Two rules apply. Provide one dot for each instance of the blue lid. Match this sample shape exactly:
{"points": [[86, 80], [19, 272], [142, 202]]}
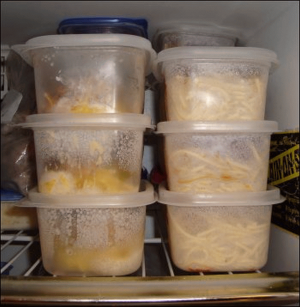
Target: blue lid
{"points": [[9, 195], [119, 25]]}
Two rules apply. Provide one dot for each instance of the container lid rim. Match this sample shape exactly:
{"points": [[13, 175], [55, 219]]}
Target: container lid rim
{"points": [[86, 40], [262, 198], [263, 126], [110, 120], [144, 197]]}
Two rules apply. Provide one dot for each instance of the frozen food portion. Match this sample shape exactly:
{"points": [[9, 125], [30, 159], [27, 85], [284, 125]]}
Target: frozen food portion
{"points": [[212, 239], [216, 163], [92, 241], [175, 39], [88, 161], [181, 34], [90, 181], [18, 218], [215, 83], [215, 97], [106, 90], [89, 73]]}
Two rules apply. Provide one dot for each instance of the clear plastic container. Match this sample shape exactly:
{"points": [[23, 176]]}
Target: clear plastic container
{"points": [[118, 25], [219, 232], [88, 153], [217, 157], [92, 235], [89, 73], [215, 83], [178, 35]]}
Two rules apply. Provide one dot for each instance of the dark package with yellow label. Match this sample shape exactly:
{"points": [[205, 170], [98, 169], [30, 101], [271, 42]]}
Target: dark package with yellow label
{"points": [[284, 174]]}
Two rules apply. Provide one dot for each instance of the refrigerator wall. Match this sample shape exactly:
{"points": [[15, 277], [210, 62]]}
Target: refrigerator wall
{"points": [[267, 24]]}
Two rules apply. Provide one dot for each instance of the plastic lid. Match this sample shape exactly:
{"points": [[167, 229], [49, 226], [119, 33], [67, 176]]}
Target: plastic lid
{"points": [[106, 120], [134, 26], [85, 40], [259, 55], [269, 197], [263, 126], [146, 196]]}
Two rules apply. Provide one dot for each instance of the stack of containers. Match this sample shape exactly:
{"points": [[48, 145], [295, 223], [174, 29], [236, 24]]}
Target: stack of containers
{"points": [[88, 134], [216, 149]]}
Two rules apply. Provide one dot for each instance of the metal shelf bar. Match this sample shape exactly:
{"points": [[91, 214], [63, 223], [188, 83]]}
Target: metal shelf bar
{"points": [[164, 248], [12, 260], [9, 240], [27, 273]]}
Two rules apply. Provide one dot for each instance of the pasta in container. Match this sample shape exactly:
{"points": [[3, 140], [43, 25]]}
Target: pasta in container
{"points": [[216, 157], [219, 232], [215, 83]]}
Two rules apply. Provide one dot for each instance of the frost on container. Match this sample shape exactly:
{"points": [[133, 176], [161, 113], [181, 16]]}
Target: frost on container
{"points": [[217, 163], [88, 154], [91, 242], [216, 157], [219, 232], [92, 235], [88, 161]]}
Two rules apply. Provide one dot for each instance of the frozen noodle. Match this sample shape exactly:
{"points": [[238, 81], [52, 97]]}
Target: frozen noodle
{"points": [[217, 97], [219, 238], [206, 170]]}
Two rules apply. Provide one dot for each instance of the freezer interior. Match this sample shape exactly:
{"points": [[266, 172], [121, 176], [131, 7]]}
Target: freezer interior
{"points": [[272, 25]]}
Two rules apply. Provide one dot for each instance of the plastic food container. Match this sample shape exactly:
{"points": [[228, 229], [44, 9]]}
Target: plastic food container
{"points": [[215, 83], [178, 35], [111, 25], [219, 232], [217, 157], [88, 153], [17, 218], [92, 235], [89, 73]]}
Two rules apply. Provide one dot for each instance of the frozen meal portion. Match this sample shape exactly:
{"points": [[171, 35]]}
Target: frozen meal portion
{"points": [[176, 35], [216, 163], [88, 161], [88, 154], [215, 83], [216, 96], [92, 241], [13, 217], [212, 239], [89, 73], [109, 81]]}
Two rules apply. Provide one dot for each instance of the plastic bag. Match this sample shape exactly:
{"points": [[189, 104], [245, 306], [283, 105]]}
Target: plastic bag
{"points": [[18, 164]]}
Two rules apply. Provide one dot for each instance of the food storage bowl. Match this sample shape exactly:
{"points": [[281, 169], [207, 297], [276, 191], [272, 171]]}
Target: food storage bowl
{"points": [[92, 235], [16, 218], [88, 153], [216, 157], [13, 217], [177, 35], [118, 25], [215, 83], [219, 232], [89, 73]]}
